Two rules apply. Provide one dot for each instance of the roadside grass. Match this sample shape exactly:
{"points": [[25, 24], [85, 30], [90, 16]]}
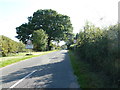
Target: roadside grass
{"points": [[85, 77], [4, 61]]}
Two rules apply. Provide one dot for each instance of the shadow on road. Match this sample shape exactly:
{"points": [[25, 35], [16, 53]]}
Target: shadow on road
{"points": [[53, 75]]}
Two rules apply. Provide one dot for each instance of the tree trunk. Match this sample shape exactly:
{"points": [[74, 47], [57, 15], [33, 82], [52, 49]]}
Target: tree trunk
{"points": [[49, 47]]}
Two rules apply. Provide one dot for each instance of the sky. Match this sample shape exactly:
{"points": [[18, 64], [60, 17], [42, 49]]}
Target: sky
{"points": [[101, 13]]}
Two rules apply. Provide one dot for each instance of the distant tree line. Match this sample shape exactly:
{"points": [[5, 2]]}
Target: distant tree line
{"points": [[100, 48], [8, 45]]}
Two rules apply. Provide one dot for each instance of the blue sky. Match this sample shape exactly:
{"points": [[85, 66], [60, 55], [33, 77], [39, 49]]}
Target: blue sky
{"points": [[15, 12]]}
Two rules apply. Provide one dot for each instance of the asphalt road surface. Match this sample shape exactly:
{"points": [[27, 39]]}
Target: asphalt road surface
{"points": [[52, 70]]}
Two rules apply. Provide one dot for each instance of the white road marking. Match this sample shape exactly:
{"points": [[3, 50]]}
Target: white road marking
{"points": [[22, 79]]}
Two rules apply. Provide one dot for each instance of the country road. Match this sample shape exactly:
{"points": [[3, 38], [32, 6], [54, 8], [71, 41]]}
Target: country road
{"points": [[52, 70]]}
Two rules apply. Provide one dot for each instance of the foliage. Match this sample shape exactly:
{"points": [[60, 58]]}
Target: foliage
{"points": [[40, 40], [56, 26], [64, 47], [85, 76], [69, 40], [99, 47], [54, 46], [9, 46]]}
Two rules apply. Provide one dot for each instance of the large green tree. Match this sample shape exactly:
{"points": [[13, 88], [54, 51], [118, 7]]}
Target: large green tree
{"points": [[56, 25]]}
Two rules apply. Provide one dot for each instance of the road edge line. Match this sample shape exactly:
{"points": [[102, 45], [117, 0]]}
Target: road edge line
{"points": [[22, 79]]}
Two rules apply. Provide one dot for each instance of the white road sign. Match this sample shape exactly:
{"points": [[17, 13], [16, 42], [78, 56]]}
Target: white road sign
{"points": [[29, 46], [29, 42]]}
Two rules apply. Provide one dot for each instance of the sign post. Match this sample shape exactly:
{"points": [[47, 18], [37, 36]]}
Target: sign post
{"points": [[75, 44], [29, 45]]}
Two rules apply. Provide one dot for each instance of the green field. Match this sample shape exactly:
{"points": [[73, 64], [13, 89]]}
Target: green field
{"points": [[4, 61]]}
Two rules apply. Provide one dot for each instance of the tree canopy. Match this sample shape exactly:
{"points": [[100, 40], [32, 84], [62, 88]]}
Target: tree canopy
{"points": [[56, 25]]}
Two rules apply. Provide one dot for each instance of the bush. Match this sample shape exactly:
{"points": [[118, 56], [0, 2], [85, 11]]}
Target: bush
{"points": [[40, 40], [7, 46], [100, 48]]}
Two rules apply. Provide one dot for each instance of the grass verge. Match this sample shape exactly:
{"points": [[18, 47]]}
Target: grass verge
{"points": [[85, 77], [4, 63]]}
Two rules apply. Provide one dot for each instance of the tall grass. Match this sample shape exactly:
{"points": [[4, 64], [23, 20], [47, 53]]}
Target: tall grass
{"points": [[86, 77], [21, 57]]}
